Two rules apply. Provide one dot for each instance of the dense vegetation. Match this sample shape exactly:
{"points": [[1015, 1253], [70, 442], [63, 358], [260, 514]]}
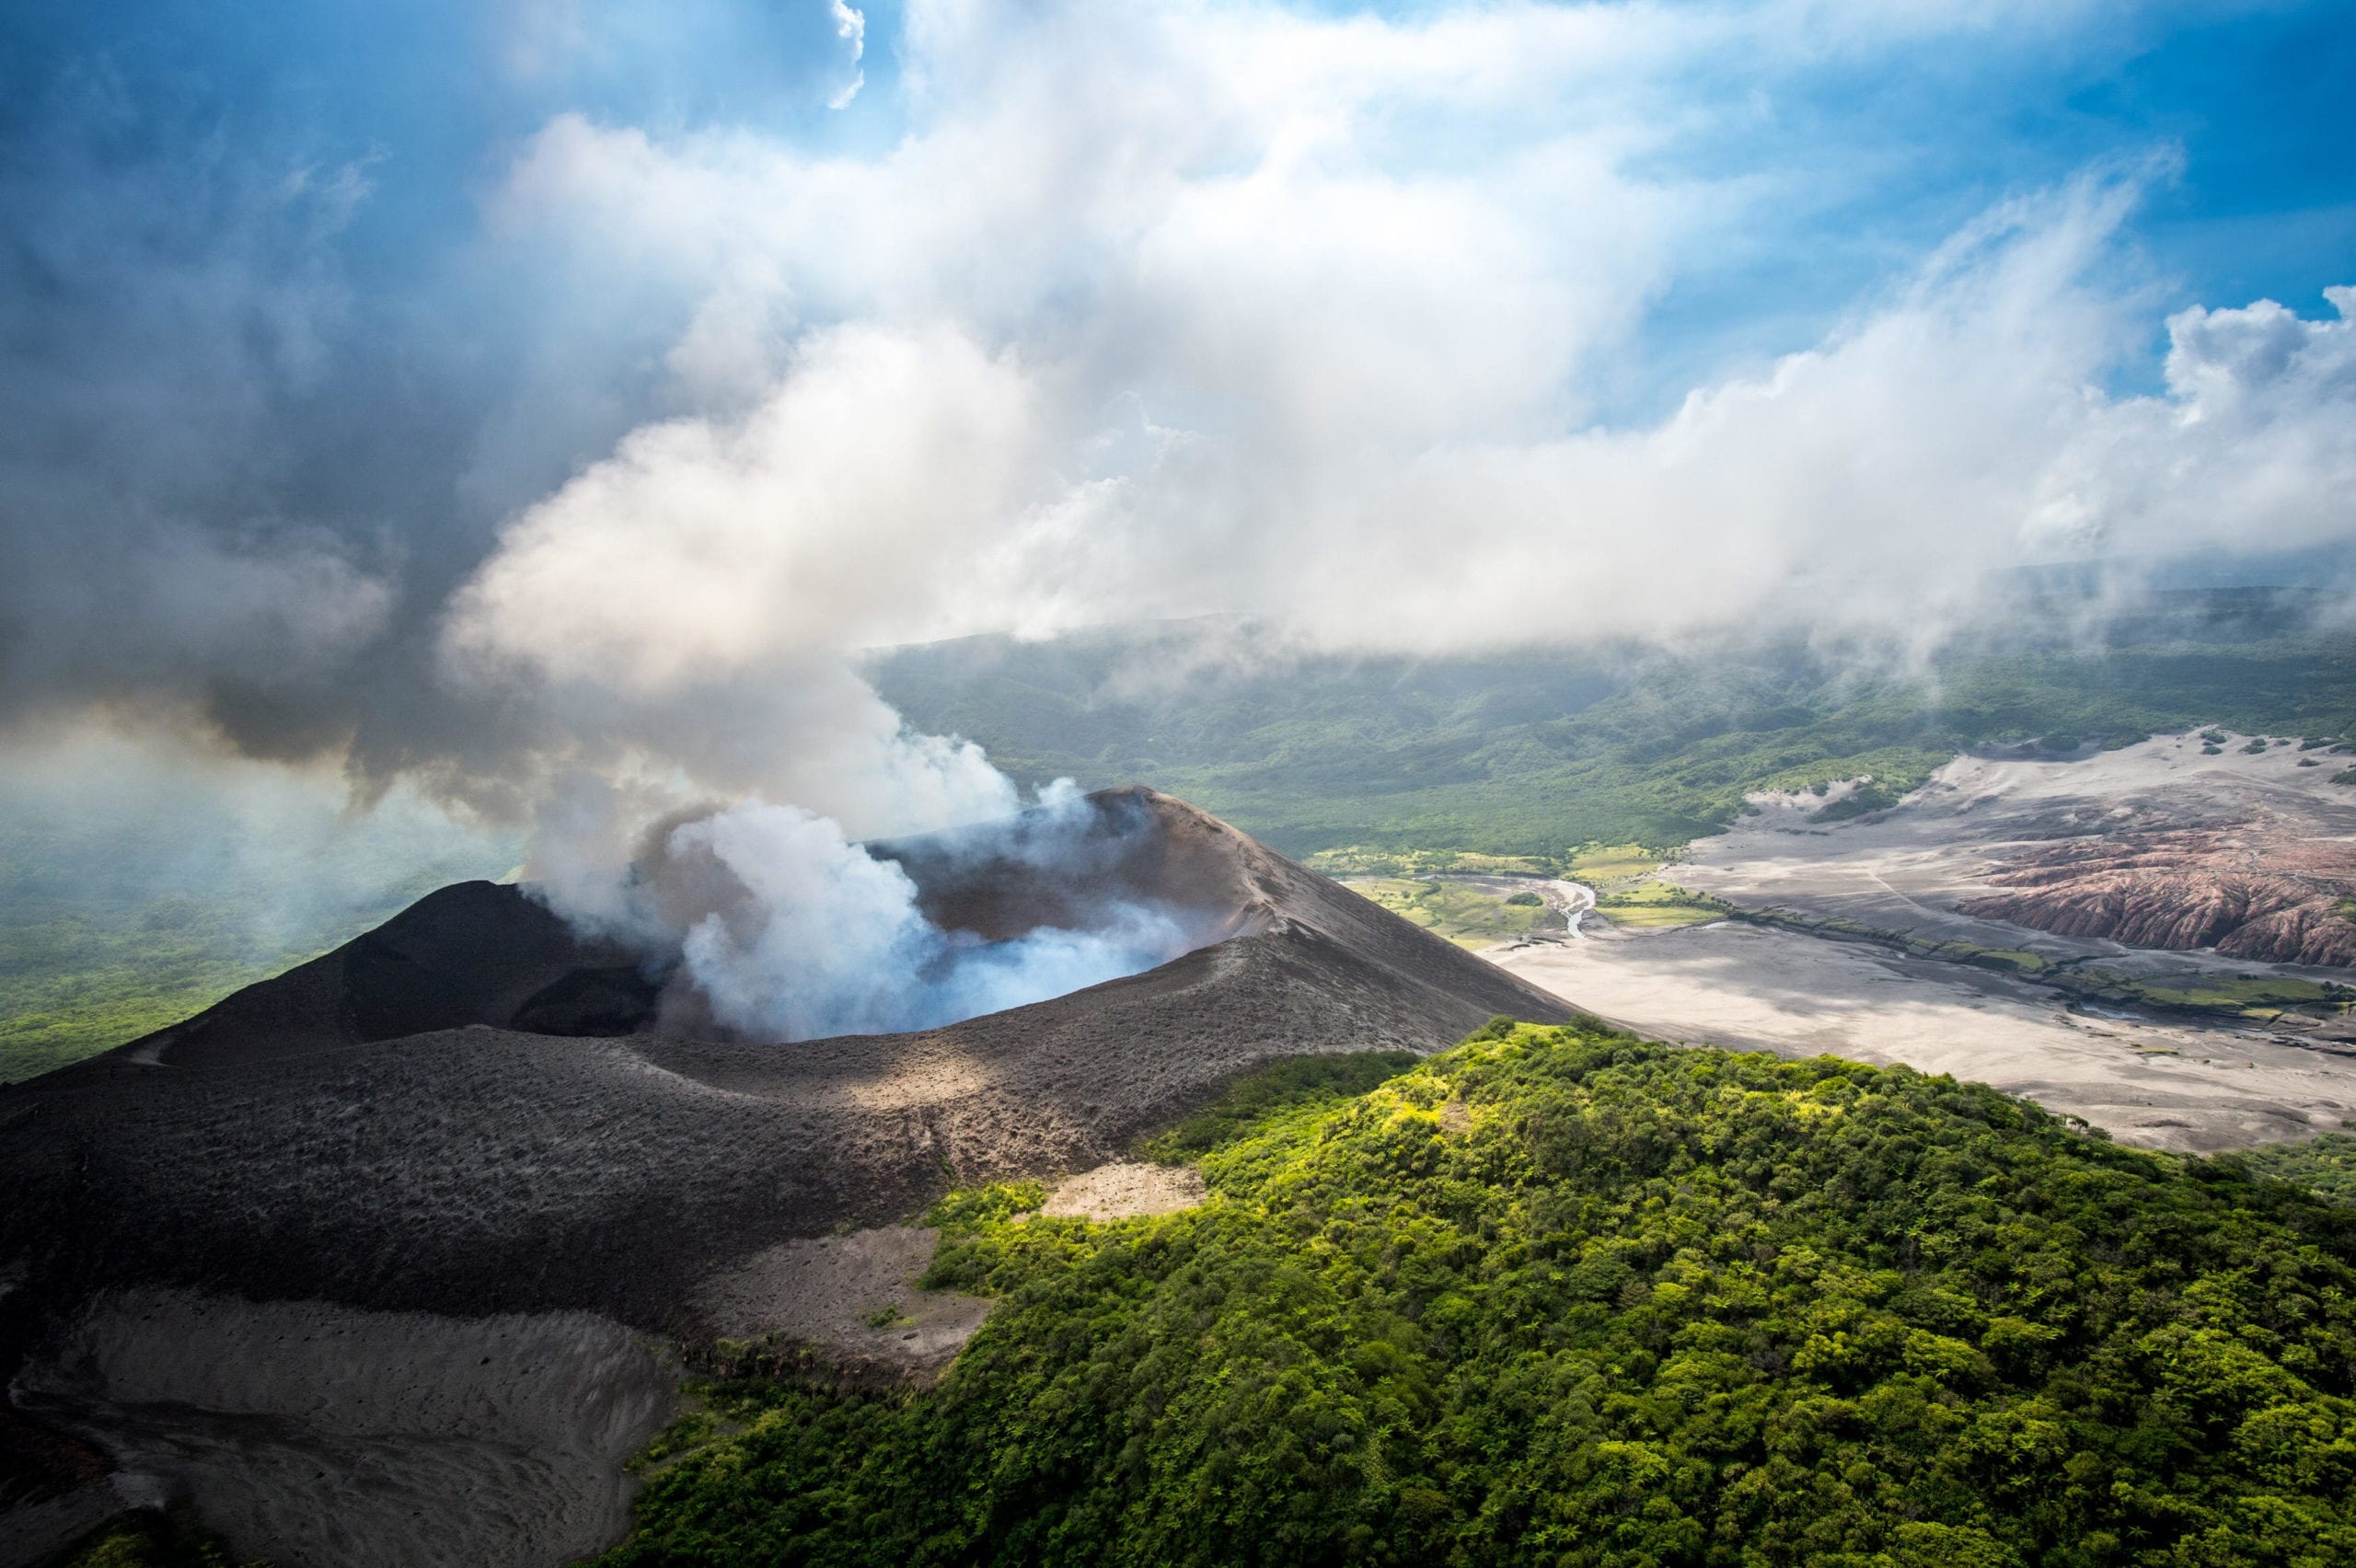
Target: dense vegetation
{"points": [[80, 983], [2325, 1166], [1561, 1297], [1532, 754]]}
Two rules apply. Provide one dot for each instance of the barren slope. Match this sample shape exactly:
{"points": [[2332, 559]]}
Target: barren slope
{"points": [[2249, 890]]}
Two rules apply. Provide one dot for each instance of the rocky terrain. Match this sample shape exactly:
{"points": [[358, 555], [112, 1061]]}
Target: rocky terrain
{"points": [[466, 1116], [2252, 890]]}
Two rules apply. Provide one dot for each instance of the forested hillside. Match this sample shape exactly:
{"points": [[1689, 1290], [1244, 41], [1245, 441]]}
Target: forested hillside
{"points": [[1534, 753], [1561, 1297]]}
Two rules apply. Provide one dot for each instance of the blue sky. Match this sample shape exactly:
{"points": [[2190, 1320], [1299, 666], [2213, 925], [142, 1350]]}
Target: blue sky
{"points": [[469, 392], [427, 99]]}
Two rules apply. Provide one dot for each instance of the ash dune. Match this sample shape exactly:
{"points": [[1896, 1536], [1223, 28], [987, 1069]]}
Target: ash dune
{"points": [[467, 1114], [2041, 856], [2252, 890], [365, 1439]]}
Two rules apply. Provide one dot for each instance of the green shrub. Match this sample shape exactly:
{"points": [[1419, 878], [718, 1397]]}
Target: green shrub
{"points": [[2326, 1165], [1255, 1097], [149, 1541]]}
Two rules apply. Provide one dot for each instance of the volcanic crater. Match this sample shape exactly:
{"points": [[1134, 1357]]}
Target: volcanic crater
{"points": [[471, 1127]]}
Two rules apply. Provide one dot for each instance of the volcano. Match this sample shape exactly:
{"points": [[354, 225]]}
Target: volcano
{"points": [[441, 1185]]}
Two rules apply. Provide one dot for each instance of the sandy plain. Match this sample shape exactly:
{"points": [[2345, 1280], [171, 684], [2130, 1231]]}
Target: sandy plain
{"points": [[2161, 1084]]}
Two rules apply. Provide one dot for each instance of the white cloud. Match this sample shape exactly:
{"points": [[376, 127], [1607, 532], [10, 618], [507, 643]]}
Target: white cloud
{"points": [[705, 548], [850, 26], [1368, 353]]}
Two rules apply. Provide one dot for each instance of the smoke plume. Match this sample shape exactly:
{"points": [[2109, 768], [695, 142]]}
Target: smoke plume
{"points": [[770, 923]]}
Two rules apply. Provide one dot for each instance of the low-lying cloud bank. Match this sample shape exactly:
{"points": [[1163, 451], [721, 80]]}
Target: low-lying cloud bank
{"points": [[1956, 432]]}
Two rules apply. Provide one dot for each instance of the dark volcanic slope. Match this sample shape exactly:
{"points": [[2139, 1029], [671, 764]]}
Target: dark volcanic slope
{"points": [[376, 1129], [472, 953]]}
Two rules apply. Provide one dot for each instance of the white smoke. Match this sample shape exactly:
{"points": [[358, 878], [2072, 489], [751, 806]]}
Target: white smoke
{"points": [[780, 928]]}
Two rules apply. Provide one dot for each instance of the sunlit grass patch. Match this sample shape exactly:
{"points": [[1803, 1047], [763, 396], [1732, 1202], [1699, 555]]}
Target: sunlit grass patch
{"points": [[2259, 993], [1467, 916], [1603, 866], [1358, 860], [1651, 904]]}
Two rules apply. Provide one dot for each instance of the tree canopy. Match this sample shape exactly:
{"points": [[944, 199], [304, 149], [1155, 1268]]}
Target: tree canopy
{"points": [[1564, 1297]]}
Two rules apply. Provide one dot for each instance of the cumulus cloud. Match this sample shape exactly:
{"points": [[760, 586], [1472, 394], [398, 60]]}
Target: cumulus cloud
{"points": [[1310, 381], [704, 547], [2253, 442]]}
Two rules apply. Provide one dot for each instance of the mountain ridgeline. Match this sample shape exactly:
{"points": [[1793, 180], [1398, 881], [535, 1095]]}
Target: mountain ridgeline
{"points": [[1559, 1296], [1535, 752]]}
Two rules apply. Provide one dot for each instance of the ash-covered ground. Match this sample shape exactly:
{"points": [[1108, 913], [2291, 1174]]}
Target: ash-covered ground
{"points": [[1969, 857], [2088, 933], [469, 1117]]}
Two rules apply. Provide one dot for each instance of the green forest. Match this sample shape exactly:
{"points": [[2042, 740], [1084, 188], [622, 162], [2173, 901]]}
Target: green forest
{"points": [[1559, 1296]]}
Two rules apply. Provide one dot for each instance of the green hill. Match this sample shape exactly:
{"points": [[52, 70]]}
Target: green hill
{"points": [[1561, 1297]]}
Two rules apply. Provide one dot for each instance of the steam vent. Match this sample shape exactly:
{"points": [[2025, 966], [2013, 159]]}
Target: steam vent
{"points": [[443, 1185]]}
